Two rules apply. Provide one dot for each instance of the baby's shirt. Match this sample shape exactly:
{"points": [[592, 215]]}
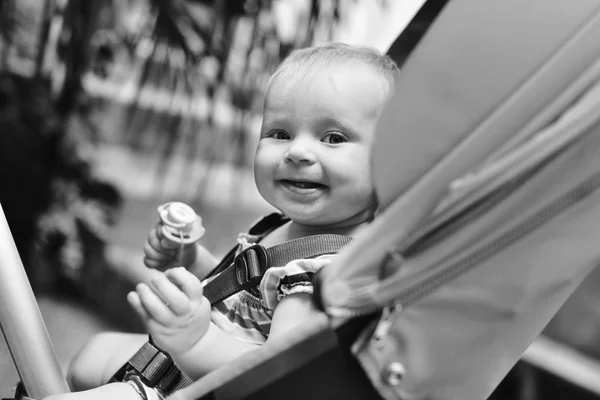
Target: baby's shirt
{"points": [[247, 315]]}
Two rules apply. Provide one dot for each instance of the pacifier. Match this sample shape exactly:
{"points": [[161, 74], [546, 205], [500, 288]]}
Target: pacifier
{"points": [[181, 224]]}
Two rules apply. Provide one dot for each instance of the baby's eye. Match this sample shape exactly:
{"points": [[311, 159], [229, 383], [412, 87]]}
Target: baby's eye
{"points": [[279, 135], [334, 138]]}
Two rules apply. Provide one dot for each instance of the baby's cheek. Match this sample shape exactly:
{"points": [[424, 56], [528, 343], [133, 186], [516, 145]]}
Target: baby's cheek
{"points": [[363, 192], [261, 176]]}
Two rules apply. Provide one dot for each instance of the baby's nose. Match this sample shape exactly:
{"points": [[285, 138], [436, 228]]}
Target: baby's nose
{"points": [[300, 151]]}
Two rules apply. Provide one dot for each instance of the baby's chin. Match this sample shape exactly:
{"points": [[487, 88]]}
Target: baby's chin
{"points": [[306, 219], [329, 222], [309, 219], [324, 214]]}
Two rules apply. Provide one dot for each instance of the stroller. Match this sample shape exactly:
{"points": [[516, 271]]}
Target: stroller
{"points": [[487, 176]]}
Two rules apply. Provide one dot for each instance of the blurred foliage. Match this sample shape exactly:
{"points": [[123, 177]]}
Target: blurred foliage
{"points": [[191, 76], [29, 137], [48, 189]]}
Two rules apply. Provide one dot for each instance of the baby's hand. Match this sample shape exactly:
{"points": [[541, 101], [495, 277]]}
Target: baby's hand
{"points": [[173, 241], [162, 253], [174, 310]]}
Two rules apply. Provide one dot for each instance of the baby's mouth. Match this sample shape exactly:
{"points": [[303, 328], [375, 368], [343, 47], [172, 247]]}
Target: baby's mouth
{"points": [[302, 184]]}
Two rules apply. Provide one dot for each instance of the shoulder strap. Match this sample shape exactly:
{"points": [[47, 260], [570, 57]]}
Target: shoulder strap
{"points": [[248, 267], [268, 223], [262, 227]]}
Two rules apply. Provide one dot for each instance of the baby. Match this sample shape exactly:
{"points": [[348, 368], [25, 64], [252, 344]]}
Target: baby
{"points": [[312, 164]]}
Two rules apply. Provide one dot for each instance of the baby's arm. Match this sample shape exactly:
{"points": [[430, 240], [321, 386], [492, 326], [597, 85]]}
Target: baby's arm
{"points": [[205, 262], [292, 311], [217, 348]]}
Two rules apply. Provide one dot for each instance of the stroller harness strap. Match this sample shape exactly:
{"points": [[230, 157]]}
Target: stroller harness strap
{"points": [[247, 268], [155, 369]]}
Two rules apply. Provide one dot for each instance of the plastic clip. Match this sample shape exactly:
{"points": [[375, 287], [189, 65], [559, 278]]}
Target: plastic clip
{"points": [[250, 263]]}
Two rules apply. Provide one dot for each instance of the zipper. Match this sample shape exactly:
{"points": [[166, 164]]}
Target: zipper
{"points": [[513, 170], [435, 233], [388, 316]]}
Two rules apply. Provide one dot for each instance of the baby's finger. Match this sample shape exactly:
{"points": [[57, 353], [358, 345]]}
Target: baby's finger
{"points": [[159, 263], [163, 241], [160, 244], [154, 306], [186, 281], [134, 300], [158, 255], [175, 299], [154, 264]]}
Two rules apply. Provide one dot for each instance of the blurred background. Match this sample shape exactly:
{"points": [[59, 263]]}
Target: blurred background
{"points": [[109, 108]]}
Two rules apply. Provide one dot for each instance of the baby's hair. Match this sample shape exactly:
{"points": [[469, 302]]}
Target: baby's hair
{"points": [[329, 53]]}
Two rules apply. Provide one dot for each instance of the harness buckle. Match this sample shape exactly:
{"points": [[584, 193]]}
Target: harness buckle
{"points": [[250, 263], [151, 364]]}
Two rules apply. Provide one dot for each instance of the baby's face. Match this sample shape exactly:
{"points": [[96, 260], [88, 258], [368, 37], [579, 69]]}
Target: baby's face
{"points": [[312, 161]]}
